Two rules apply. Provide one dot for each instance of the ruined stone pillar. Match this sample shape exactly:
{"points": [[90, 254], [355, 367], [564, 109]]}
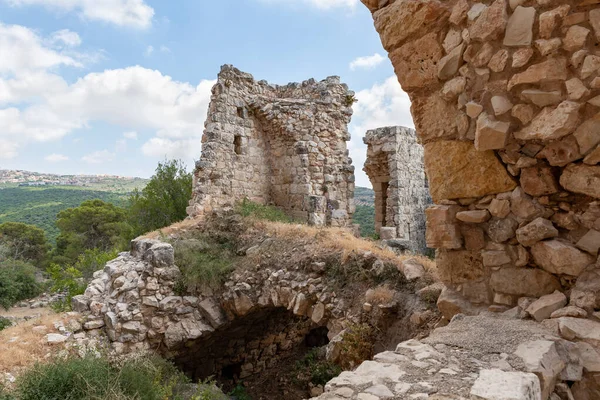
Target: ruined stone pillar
{"points": [[279, 145], [395, 167], [505, 99]]}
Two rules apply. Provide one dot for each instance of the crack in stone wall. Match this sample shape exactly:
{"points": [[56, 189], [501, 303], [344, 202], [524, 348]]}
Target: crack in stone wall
{"points": [[280, 145], [395, 167], [506, 99]]}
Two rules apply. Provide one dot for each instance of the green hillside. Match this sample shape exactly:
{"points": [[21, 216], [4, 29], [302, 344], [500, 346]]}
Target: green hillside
{"points": [[39, 206]]}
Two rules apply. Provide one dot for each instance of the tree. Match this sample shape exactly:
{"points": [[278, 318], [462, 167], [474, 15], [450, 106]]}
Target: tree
{"points": [[17, 282], [164, 200], [24, 242], [93, 225]]}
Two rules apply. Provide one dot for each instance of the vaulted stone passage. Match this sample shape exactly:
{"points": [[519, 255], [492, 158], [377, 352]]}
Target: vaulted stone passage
{"points": [[249, 345]]}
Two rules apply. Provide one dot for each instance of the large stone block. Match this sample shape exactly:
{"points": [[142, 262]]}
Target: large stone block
{"points": [[529, 282], [457, 170], [584, 179], [559, 257], [459, 266]]}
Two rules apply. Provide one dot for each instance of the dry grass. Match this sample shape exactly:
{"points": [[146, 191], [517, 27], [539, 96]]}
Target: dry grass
{"points": [[178, 227], [380, 295], [20, 347]]}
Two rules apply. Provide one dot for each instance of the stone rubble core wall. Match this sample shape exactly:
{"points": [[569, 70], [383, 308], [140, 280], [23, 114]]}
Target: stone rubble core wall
{"points": [[281, 145], [395, 168], [256, 319], [505, 99]]}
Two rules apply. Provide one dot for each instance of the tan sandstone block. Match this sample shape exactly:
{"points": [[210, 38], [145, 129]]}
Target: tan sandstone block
{"points": [[523, 282], [442, 227], [426, 114], [416, 62], [457, 170], [459, 266], [559, 257]]}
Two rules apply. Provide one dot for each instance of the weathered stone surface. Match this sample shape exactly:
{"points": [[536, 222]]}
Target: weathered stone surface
{"points": [[491, 23], [501, 105], [538, 229], [519, 30], [581, 329], [400, 21], [523, 112], [541, 357], [451, 303], [543, 307], [562, 152], [542, 98], [559, 257], [593, 158], [429, 126], [499, 208], [569, 311], [575, 38], [501, 230], [523, 282], [538, 181], [521, 57], [459, 266], [499, 61], [442, 229], [554, 69], [590, 242], [55, 338], [552, 124], [412, 269], [588, 134], [576, 89], [582, 179], [495, 384], [416, 63], [463, 171], [495, 258], [449, 64], [474, 216], [590, 66], [523, 206]]}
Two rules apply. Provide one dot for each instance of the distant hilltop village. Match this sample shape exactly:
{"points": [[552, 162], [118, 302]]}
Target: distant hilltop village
{"points": [[27, 178]]}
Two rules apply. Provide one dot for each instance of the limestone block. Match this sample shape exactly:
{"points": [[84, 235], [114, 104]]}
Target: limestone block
{"points": [[575, 38], [543, 307], [562, 152], [542, 98], [552, 123], [459, 266], [451, 303], [442, 229], [588, 134], [580, 329], [491, 23], [541, 357], [499, 208], [473, 216], [458, 170], [521, 57], [523, 282], [552, 70], [590, 242], [538, 181], [429, 126], [387, 232], [538, 229], [569, 311], [416, 62], [582, 179], [559, 257], [491, 134], [495, 384]]}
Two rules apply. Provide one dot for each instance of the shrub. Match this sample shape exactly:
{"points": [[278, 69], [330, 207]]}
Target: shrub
{"points": [[315, 369], [356, 346], [380, 295], [203, 264], [208, 390], [17, 282], [239, 393], [5, 323], [145, 378], [68, 280], [93, 260], [248, 208]]}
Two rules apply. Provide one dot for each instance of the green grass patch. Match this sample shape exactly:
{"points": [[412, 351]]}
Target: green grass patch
{"points": [[205, 263], [247, 208], [315, 369], [146, 378], [4, 323]]}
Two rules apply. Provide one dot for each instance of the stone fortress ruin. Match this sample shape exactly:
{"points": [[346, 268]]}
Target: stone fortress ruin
{"points": [[280, 145], [395, 167], [506, 100]]}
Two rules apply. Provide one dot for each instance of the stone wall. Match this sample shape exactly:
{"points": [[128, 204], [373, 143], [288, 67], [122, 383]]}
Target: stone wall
{"points": [[395, 167], [505, 99], [280, 145]]}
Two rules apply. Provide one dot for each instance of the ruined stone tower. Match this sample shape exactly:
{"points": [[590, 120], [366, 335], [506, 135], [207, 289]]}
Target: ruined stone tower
{"points": [[395, 167], [506, 100], [280, 145]]}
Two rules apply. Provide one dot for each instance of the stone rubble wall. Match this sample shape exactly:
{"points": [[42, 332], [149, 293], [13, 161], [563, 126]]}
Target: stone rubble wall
{"points": [[257, 317], [395, 165], [506, 101], [281, 145]]}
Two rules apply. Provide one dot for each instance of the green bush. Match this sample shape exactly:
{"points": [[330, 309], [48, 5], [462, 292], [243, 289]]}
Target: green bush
{"points": [[365, 217], [204, 264], [149, 378], [315, 369], [93, 260], [68, 280], [357, 346], [248, 208], [17, 282], [239, 393], [4, 323]]}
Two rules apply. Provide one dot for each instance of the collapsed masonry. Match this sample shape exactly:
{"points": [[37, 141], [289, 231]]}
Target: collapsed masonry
{"points": [[280, 145], [395, 167], [505, 99]]}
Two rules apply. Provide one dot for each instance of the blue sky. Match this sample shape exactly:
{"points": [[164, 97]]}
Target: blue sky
{"points": [[114, 86]]}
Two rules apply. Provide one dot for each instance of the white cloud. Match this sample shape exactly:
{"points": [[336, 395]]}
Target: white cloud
{"points": [[367, 62], [384, 104], [66, 37], [132, 13], [56, 158], [165, 49], [131, 135], [8, 149], [121, 145], [98, 157], [321, 4], [149, 51]]}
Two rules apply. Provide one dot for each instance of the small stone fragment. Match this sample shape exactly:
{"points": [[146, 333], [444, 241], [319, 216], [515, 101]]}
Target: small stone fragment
{"points": [[593, 158], [538, 229], [519, 29], [521, 57], [590, 242], [562, 152], [523, 112], [547, 46], [490, 134], [498, 61], [473, 109], [591, 64], [490, 25], [576, 89], [569, 311], [499, 208], [554, 69], [495, 384], [575, 38], [501, 105], [449, 64], [543, 308], [542, 98], [538, 181], [588, 134], [474, 216]]}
